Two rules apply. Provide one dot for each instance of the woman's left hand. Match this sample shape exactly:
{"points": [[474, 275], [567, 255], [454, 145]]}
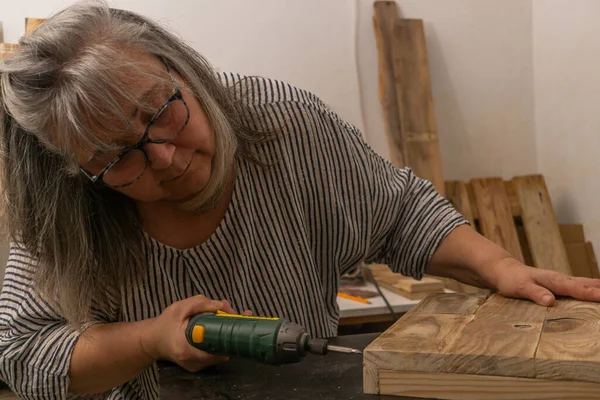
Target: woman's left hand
{"points": [[513, 279]]}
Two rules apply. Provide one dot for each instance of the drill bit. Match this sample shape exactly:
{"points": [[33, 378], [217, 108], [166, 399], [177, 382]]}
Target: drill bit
{"points": [[340, 349]]}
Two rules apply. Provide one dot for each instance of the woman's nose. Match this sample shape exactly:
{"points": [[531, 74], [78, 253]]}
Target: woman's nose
{"points": [[160, 155]]}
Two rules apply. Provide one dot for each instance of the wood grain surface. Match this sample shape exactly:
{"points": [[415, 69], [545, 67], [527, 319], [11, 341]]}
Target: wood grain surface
{"points": [[569, 347], [495, 216], [385, 14], [31, 24], [457, 194], [415, 101], [546, 244], [8, 49], [403, 285], [471, 345], [478, 387], [450, 303]]}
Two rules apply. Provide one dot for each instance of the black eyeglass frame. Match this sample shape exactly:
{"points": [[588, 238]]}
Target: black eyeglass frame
{"points": [[176, 95]]}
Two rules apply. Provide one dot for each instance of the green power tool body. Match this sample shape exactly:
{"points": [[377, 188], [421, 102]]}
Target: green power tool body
{"points": [[267, 340]]}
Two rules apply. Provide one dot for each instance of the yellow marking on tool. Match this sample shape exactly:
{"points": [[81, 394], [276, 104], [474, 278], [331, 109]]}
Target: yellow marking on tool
{"points": [[224, 314], [198, 334]]}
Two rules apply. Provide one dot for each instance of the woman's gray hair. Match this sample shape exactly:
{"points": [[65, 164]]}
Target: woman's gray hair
{"points": [[66, 84]]}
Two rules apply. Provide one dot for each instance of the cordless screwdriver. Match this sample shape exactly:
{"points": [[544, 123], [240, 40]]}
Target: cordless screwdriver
{"points": [[273, 341]]}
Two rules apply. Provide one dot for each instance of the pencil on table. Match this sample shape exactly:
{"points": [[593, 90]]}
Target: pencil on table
{"points": [[355, 298]]}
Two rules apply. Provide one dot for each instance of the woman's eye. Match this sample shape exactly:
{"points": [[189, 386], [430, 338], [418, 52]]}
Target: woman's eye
{"points": [[165, 116], [146, 118]]}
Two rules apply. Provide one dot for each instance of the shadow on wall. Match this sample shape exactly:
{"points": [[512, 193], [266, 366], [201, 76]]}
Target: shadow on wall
{"points": [[452, 131]]}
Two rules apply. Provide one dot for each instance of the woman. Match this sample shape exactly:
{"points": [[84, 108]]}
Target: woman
{"points": [[142, 188]]}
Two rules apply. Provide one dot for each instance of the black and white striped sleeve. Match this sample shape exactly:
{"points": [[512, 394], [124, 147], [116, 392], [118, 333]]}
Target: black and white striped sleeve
{"points": [[35, 341], [411, 219], [408, 218]]}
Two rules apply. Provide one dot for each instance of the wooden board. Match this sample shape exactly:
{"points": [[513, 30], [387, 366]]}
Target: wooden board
{"points": [[485, 343], [8, 49], [513, 201], [593, 262], [579, 260], [569, 348], [457, 194], [415, 101], [384, 17], [495, 217], [524, 242], [478, 387], [397, 282], [450, 303], [426, 284], [572, 233], [409, 295], [31, 24], [545, 242], [405, 286]]}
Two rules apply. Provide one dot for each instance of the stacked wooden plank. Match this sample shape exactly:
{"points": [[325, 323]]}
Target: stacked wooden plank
{"points": [[518, 215], [471, 346], [405, 286]]}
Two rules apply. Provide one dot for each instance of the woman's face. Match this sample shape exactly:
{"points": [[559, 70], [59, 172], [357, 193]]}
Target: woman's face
{"points": [[176, 170]]}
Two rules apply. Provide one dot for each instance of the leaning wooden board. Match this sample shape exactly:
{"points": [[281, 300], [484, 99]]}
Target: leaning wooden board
{"points": [[405, 93], [470, 346]]}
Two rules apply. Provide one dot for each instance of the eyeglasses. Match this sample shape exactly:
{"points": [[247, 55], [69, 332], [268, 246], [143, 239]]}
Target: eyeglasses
{"points": [[166, 124]]}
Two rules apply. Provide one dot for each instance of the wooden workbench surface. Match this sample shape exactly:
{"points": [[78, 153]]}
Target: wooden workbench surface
{"points": [[332, 377]]}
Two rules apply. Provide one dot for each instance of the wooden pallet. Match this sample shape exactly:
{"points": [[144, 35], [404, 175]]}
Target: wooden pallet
{"points": [[518, 215], [471, 346]]}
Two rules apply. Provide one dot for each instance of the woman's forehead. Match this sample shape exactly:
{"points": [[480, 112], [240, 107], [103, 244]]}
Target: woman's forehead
{"points": [[138, 85], [142, 82], [147, 72]]}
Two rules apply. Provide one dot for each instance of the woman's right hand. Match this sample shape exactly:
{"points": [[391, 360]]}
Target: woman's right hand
{"points": [[165, 338]]}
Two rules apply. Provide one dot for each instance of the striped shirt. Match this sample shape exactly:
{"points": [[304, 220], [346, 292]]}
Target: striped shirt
{"points": [[326, 204]]}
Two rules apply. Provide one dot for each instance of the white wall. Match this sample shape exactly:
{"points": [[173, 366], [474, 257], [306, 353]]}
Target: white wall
{"points": [[480, 58], [566, 38]]}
